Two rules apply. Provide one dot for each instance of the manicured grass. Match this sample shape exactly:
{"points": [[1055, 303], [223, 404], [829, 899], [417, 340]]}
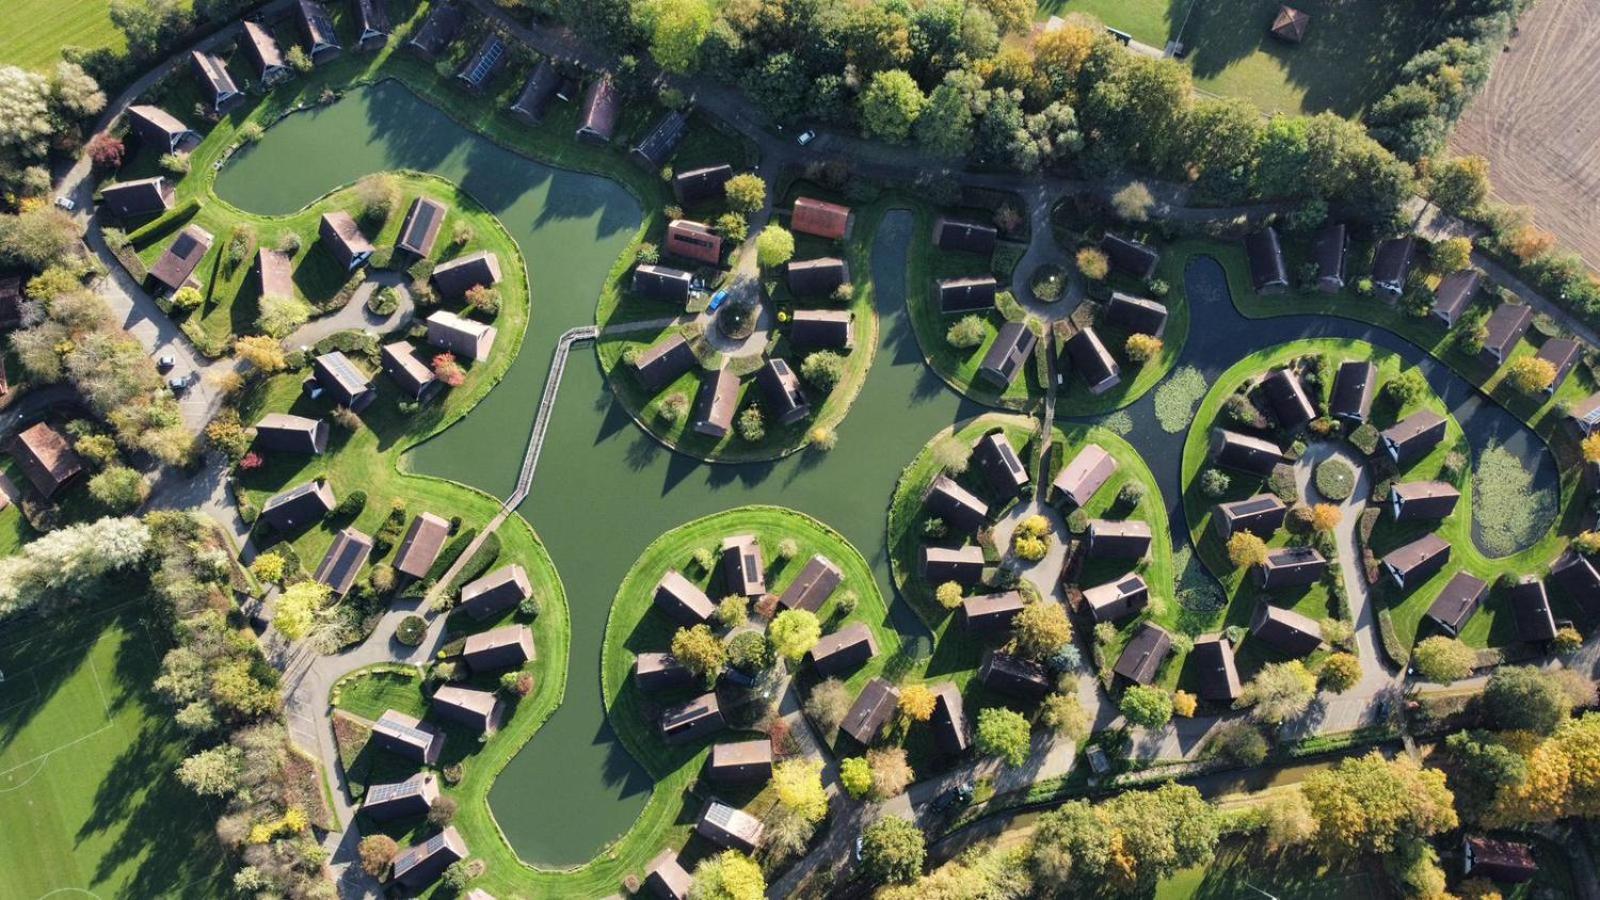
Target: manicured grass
{"points": [[1243, 869], [33, 32], [372, 691], [827, 412], [1350, 56], [89, 803]]}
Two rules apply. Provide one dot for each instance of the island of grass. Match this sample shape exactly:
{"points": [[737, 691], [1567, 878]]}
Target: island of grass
{"points": [[1240, 403], [785, 544], [825, 333], [957, 337], [1130, 494]]}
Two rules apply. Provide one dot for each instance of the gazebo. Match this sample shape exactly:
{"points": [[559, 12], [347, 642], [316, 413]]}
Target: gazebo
{"points": [[1290, 25]]}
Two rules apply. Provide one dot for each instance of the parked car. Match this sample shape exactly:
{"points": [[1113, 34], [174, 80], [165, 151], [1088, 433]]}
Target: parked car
{"points": [[165, 362], [807, 136], [66, 203]]}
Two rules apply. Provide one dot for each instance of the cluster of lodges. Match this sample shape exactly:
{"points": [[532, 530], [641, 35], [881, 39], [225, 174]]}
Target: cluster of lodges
{"points": [[1004, 478], [508, 647], [809, 330]]}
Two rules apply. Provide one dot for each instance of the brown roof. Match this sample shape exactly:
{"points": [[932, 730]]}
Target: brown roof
{"points": [[420, 230], [496, 592], [844, 650], [1212, 660], [741, 761], [949, 719], [715, 402], [813, 586], [1144, 653], [1290, 24], [742, 568], [991, 612], [499, 648], [682, 600], [177, 264], [602, 108], [344, 237], [263, 49], [873, 708], [1086, 474], [343, 561], [401, 362], [692, 240], [956, 506], [277, 273], [1457, 602], [1418, 560], [46, 457], [476, 709], [729, 827], [422, 544], [1288, 631], [666, 879], [819, 217], [462, 274]]}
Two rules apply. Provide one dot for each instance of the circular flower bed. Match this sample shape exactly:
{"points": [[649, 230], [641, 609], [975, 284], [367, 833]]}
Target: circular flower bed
{"points": [[384, 301], [1048, 283], [411, 630], [1335, 479]]}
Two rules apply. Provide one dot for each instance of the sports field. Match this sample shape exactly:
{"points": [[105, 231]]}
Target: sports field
{"points": [[1242, 870], [1349, 57], [32, 32], [89, 805]]}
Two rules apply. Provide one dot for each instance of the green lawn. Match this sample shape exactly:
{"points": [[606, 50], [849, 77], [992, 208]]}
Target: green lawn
{"points": [[33, 32], [1338, 67], [1243, 869], [88, 800], [372, 691]]}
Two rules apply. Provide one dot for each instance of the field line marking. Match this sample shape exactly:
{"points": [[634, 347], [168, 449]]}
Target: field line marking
{"points": [[49, 753], [105, 704]]}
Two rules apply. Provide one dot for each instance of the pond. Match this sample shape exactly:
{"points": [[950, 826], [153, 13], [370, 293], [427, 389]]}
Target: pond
{"points": [[605, 489]]}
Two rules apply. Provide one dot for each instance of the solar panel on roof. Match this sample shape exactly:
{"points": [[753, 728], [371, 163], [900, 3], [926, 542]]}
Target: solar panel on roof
{"points": [[491, 55], [343, 369], [402, 730], [183, 244], [383, 793]]}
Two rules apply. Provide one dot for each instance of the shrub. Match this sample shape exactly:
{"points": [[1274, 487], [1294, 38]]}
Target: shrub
{"points": [[752, 427], [1335, 479], [1147, 706], [187, 297], [673, 408], [823, 369], [828, 703], [484, 298], [856, 776], [952, 454], [774, 246], [281, 315], [1340, 672], [1281, 482], [948, 594], [1246, 550], [119, 489], [383, 302], [174, 164], [1443, 659], [733, 611], [1093, 263], [105, 152], [1130, 495], [1141, 348], [352, 504], [443, 812], [1531, 374], [1214, 483], [376, 198], [967, 333], [751, 652], [1238, 742], [411, 630]]}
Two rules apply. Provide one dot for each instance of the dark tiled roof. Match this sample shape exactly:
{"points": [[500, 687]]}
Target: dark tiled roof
{"points": [[537, 92], [602, 108], [843, 651], [438, 30], [1288, 398], [421, 546], [146, 196], [1267, 269], [1254, 455], [459, 275], [420, 231], [1289, 567], [1414, 436], [716, 402], [1412, 500], [1454, 294], [1286, 630], [822, 329], [343, 561], [182, 257], [1136, 314], [700, 185], [1530, 604], [666, 362], [962, 236], [661, 283], [1083, 477], [1329, 251], [1144, 653], [1008, 355], [816, 277], [972, 294], [1353, 387], [1392, 263], [279, 432], [1092, 361], [813, 586], [663, 139], [1130, 257], [1213, 664], [1457, 602]]}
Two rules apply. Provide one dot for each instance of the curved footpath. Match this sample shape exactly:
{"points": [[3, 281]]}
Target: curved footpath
{"points": [[309, 677]]}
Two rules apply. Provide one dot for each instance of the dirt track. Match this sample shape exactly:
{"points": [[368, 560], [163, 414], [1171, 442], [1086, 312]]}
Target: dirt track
{"points": [[1538, 122]]}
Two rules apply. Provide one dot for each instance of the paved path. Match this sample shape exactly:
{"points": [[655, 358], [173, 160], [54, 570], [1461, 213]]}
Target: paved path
{"points": [[355, 316]]}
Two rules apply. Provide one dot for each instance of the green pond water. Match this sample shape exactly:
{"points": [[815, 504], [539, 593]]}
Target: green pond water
{"points": [[604, 489]]}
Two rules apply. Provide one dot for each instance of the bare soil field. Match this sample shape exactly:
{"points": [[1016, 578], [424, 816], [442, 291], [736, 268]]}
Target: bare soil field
{"points": [[1538, 122]]}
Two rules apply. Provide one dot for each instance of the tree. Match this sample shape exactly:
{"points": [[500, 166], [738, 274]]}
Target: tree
{"points": [[856, 776], [746, 192], [39, 237], [1563, 779], [1279, 692], [1443, 659], [1525, 698], [1141, 348], [1415, 865], [297, 608], [483, 298], [733, 226], [1133, 202], [891, 771], [798, 785], [699, 651], [1238, 742], [1214, 483], [1591, 451], [105, 152], [1286, 820], [823, 369], [261, 351], [213, 773], [1124, 845], [1147, 706], [1245, 550], [1064, 714], [1484, 769], [892, 851], [1368, 804], [448, 371], [793, 632], [1041, 629], [948, 594], [1452, 255], [1093, 263], [752, 427], [1459, 184], [280, 316], [677, 29], [916, 702], [443, 811], [1325, 517], [968, 332], [891, 105], [119, 489], [733, 611], [774, 246], [151, 25], [1406, 388], [268, 567], [1531, 374], [946, 126], [377, 852], [828, 703], [1003, 733], [728, 876], [1340, 672], [1185, 703]]}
